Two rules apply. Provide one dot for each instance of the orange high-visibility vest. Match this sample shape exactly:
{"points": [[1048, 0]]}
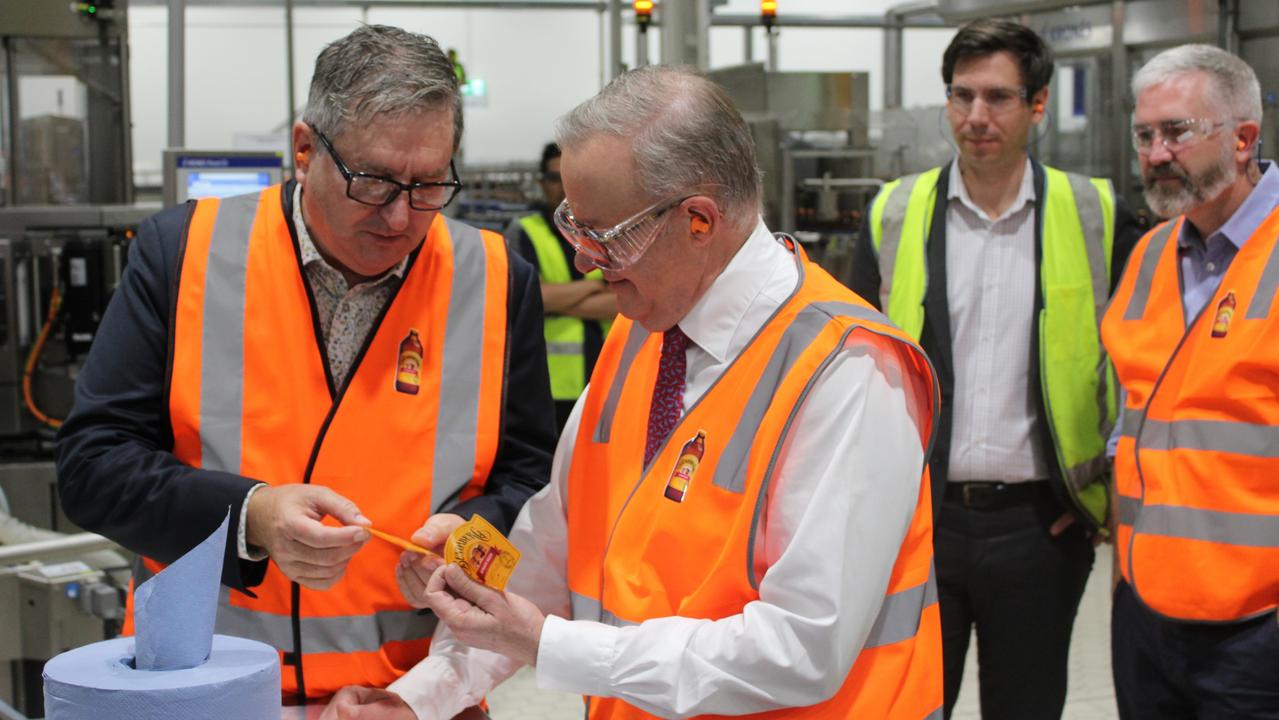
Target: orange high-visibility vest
{"points": [[695, 558], [1197, 469], [250, 395]]}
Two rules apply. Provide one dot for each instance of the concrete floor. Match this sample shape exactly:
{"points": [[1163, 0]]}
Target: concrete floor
{"points": [[1091, 695]]}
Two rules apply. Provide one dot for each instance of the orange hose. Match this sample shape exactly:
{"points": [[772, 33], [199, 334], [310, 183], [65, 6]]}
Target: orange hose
{"points": [[29, 371]]}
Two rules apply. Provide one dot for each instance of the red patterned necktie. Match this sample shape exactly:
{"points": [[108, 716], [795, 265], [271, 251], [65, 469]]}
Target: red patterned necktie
{"points": [[668, 391]]}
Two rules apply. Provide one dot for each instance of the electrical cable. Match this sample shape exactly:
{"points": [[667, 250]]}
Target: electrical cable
{"points": [[28, 372]]}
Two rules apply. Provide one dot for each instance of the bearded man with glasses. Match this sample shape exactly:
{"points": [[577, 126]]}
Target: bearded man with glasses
{"points": [[324, 355], [738, 521], [1193, 331], [1001, 267]]}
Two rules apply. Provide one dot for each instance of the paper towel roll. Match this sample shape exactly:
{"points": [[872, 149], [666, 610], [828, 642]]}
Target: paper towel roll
{"points": [[240, 680]]}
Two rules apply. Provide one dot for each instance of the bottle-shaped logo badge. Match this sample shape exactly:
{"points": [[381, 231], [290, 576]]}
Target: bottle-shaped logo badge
{"points": [[408, 371], [689, 457], [1225, 313]]}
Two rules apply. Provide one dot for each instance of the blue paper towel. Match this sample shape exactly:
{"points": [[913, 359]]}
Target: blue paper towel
{"points": [[174, 611], [175, 667], [240, 680]]}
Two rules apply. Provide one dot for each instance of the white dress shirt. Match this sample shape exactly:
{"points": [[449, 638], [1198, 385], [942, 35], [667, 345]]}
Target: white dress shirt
{"points": [[840, 505], [990, 287]]}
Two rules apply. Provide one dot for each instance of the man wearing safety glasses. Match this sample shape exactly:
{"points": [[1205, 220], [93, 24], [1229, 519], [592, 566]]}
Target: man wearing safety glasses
{"points": [[738, 520], [330, 349], [1193, 331], [1001, 267]]}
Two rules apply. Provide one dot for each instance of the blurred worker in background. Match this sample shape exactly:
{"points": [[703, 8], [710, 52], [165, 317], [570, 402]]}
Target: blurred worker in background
{"points": [[1194, 335], [1001, 267], [738, 521], [578, 306], [333, 348]]}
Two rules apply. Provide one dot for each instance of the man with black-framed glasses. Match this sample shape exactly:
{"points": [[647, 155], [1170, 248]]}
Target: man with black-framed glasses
{"points": [[1193, 332], [326, 355], [1001, 266]]}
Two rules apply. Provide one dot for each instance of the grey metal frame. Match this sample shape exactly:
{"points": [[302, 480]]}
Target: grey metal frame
{"points": [[110, 176]]}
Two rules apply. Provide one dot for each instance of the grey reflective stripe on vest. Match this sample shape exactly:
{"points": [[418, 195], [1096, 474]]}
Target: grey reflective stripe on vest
{"points": [[899, 616], [1264, 297], [842, 346], [563, 348], [461, 368], [585, 608], [730, 470], [893, 218], [1131, 422], [1146, 275], [1217, 526], [1092, 221], [1128, 509], [1237, 438], [338, 634], [935, 714], [635, 339], [222, 336], [1085, 473]]}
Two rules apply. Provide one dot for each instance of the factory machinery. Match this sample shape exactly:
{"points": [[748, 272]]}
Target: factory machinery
{"points": [[65, 223]]}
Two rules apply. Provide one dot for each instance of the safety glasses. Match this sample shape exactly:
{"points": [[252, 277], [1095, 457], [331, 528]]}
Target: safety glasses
{"points": [[620, 246], [1176, 135], [998, 100]]}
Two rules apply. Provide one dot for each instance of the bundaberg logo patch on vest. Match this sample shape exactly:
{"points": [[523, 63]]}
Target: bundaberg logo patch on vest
{"points": [[1225, 313], [682, 476], [408, 370]]}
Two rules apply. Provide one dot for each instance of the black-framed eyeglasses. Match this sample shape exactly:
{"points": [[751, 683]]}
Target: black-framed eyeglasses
{"points": [[379, 191]]}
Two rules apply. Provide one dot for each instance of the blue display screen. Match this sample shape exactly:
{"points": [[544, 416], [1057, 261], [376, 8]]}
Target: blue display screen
{"points": [[224, 183]]}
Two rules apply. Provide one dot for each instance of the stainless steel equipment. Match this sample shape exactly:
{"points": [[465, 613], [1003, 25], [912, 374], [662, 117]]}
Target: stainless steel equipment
{"points": [[811, 136], [1100, 43], [64, 102], [912, 140], [965, 10], [57, 591], [77, 253], [49, 609], [496, 194]]}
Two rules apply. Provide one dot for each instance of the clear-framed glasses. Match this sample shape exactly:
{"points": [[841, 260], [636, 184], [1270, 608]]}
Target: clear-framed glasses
{"points": [[1176, 135], [378, 191], [618, 247], [997, 99]]}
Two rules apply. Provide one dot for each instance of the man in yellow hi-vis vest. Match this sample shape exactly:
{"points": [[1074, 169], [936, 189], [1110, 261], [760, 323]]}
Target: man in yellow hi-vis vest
{"points": [[1001, 267], [578, 307]]}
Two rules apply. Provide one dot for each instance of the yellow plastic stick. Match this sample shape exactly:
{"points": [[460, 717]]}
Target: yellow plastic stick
{"points": [[401, 543]]}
